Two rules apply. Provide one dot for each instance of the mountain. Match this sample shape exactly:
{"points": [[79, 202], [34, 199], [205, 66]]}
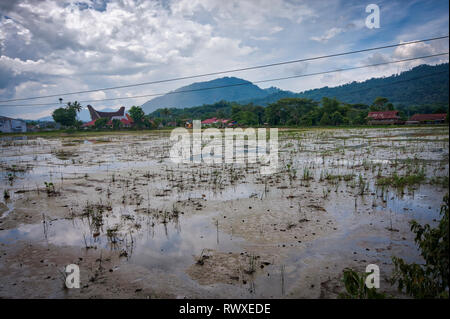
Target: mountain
{"points": [[422, 85], [45, 119], [238, 90]]}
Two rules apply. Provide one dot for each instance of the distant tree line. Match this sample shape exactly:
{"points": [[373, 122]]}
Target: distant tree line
{"points": [[294, 112]]}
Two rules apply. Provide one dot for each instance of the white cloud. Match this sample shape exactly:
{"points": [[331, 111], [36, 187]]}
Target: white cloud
{"points": [[331, 33]]}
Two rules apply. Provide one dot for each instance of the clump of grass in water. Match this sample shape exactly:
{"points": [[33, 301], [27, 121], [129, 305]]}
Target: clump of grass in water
{"points": [[362, 185], [50, 189], [112, 234], [251, 265], [11, 178], [307, 175], [201, 258], [401, 181], [355, 286]]}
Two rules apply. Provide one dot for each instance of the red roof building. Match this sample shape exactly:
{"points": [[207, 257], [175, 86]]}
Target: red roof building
{"points": [[127, 121], [210, 121], [88, 124], [215, 120], [427, 118], [383, 117]]}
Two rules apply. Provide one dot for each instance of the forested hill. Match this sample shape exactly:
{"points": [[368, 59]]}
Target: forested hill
{"points": [[422, 85], [227, 88]]}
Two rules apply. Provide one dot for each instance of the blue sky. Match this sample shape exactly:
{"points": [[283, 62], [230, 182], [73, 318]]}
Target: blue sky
{"points": [[50, 47]]}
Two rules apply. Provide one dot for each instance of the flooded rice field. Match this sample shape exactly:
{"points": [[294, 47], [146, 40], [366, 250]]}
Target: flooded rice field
{"points": [[140, 226]]}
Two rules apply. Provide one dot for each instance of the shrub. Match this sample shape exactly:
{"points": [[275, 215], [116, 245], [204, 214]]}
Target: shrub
{"points": [[429, 280]]}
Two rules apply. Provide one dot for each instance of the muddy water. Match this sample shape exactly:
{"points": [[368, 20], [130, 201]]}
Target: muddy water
{"points": [[223, 231]]}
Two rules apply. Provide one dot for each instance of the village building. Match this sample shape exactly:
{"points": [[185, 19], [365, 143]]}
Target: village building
{"points": [[383, 117], [218, 122], [120, 115], [9, 125], [427, 118]]}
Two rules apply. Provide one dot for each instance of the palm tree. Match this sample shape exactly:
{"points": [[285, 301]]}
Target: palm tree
{"points": [[75, 105]]}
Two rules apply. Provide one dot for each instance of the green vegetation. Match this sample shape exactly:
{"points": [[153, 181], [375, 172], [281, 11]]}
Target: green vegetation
{"points": [[440, 180], [355, 286], [67, 116], [284, 112], [247, 114], [424, 281], [101, 123], [429, 280], [290, 112], [401, 181], [116, 124], [50, 189], [137, 114], [424, 93], [333, 177], [219, 109]]}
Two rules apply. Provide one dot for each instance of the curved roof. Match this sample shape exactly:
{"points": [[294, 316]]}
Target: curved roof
{"points": [[98, 114]]}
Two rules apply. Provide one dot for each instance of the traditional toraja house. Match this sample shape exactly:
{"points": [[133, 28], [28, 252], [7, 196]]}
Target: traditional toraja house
{"points": [[383, 117], [126, 120], [427, 118], [95, 115]]}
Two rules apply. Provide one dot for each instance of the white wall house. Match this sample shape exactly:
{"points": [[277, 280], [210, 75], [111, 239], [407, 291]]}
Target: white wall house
{"points": [[9, 125]]}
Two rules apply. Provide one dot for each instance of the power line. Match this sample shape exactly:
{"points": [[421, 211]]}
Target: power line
{"points": [[230, 71], [238, 84]]}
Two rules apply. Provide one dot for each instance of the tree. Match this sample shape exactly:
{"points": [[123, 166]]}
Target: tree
{"points": [[75, 105], [65, 116], [247, 114], [360, 118], [137, 114], [429, 280], [307, 120], [325, 120], [116, 124], [101, 123], [379, 104], [337, 118], [330, 105], [289, 111]]}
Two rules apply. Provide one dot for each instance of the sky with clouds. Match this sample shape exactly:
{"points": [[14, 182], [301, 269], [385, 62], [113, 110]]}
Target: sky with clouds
{"points": [[54, 46]]}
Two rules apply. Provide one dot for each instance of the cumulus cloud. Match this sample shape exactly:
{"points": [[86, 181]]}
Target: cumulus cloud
{"points": [[94, 48], [50, 46], [405, 52]]}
